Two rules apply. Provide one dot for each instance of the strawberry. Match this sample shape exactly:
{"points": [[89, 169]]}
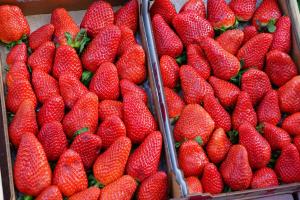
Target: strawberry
{"points": [[235, 170], [242, 9], [224, 65], [111, 129], [191, 158], [66, 61], [92, 193], [144, 161], [110, 165], [24, 121], [50, 193], [280, 67], [40, 36], [289, 96], [252, 53], [32, 173], [99, 15], [174, 103], [231, 40], [123, 188], [197, 6], [197, 60], [18, 70], [291, 124], [17, 54], [191, 27], [282, 35], [163, 34], [155, 187], [211, 179], [127, 39], [138, 119], [296, 142], [103, 48], [164, 8], [169, 70], [264, 178], [63, 23], [13, 24], [108, 108], [256, 83], [194, 87], [243, 111], [128, 88], [249, 32], [218, 146], [84, 114], [133, 53], [288, 164], [268, 109], [69, 174], [194, 121], [53, 140], [105, 82], [128, 15], [194, 185]]}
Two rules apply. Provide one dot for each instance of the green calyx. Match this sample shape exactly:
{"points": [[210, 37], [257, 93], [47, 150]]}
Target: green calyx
{"points": [[80, 131], [274, 156], [233, 136], [199, 140], [93, 182], [10, 45], [182, 59], [260, 128], [86, 77], [271, 26], [237, 79], [80, 42]]}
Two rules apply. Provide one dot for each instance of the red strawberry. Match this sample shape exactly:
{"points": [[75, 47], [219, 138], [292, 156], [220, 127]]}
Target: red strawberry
{"points": [[291, 124], [50, 193], [69, 174], [84, 114], [108, 108], [264, 178], [282, 35], [249, 32], [235, 170], [144, 161], [24, 121], [243, 111], [111, 129], [17, 71], [169, 70], [191, 27], [242, 9], [194, 121], [40, 36], [32, 173], [92, 193], [133, 53], [252, 53], [231, 40], [13, 24], [17, 53], [155, 187], [110, 165], [128, 15], [297, 142], [103, 48], [194, 185], [174, 103], [268, 109], [99, 15], [53, 140], [197, 6], [289, 96], [280, 67], [218, 146], [163, 34], [128, 88], [164, 8], [127, 39], [224, 65], [197, 60], [211, 179], [288, 164]]}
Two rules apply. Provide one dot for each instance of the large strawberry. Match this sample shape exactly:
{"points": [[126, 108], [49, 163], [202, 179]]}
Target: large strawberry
{"points": [[40, 36], [264, 178], [291, 124], [169, 70], [17, 54], [197, 6], [109, 108], [128, 15], [211, 179], [282, 35], [249, 32], [174, 102], [92, 193], [289, 96], [231, 40], [32, 173], [50, 193], [243, 9], [194, 185], [127, 39], [128, 88], [164, 8]]}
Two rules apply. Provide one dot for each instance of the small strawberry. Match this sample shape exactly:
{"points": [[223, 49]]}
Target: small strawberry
{"points": [[164, 8], [211, 179], [17, 54], [194, 185], [291, 124], [40, 36], [196, 6], [289, 96], [92, 193], [249, 32], [50, 193], [128, 88], [242, 9], [127, 39], [231, 40], [282, 35], [296, 142], [169, 70], [264, 178], [108, 108], [128, 15], [17, 71], [174, 102]]}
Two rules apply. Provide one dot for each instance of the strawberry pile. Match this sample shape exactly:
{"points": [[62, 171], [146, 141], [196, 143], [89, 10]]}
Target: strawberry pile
{"points": [[79, 116], [233, 93]]}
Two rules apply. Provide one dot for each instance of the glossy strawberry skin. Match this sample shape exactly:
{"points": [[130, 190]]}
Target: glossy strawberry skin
{"points": [[169, 70], [163, 8], [242, 9], [128, 15], [92, 193], [264, 178], [109, 108], [174, 102], [211, 179], [194, 185], [40, 36], [197, 6], [231, 40], [17, 71], [128, 88], [17, 53], [289, 96], [127, 39], [282, 35], [249, 32], [291, 124], [50, 193]]}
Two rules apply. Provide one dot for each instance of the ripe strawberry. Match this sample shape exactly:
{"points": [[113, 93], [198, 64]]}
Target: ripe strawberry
{"points": [[69, 174], [288, 164], [13, 24], [18, 70], [218, 146], [264, 178], [252, 53], [63, 23], [249, 32], [256, 83], [164, 8], [24, 121], [128, 15], [103, 48], [109, 108], [197, 6], [243, 111], [174, 103], [289, 96], [296, 142], [133, 53], [231, 40], [111, 129], [191, 27], [144, 161], [128, 88], [163, 34], [110, 165], [40, 36], [127, 39], [235, 170], [84, 114], [42, 57], [155, 187], [211, 179], [280, 67], [53, 140], [92, 193], [194, 185], [169, 70], [123, 188], [17, 54], [194, 121], [242, 9], [99, 15], [268, 109], [224, 65], [282, 35], [197, 60], [291, 124], [32, 173], [50, 193]]}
